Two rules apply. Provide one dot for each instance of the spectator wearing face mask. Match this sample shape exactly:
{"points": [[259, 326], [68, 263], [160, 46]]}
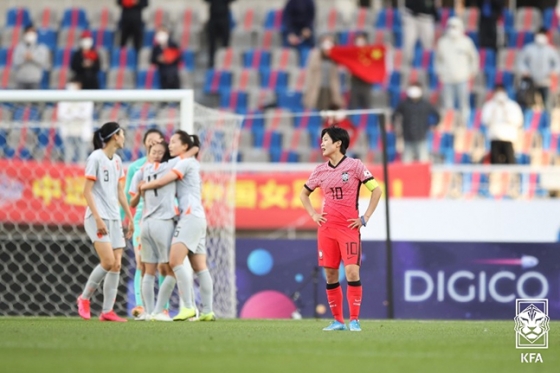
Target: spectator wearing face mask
{"points": [[416, 116], [322, 82], [337, 117], [30, 60], [167, 56], [456, 63], [504, 118], [75, 121], [85, 63], [539, 61], [360, 90]]}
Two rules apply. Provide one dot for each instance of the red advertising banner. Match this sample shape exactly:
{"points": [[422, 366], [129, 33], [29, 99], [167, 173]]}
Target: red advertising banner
{"points": [[44, 193]]}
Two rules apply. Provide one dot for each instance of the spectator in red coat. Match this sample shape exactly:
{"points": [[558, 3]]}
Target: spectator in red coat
{"points": [[337, 117], [167, 56]]}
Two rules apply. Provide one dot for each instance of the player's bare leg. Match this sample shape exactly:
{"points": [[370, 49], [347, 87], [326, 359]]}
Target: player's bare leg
{"points": [[354, 295]]}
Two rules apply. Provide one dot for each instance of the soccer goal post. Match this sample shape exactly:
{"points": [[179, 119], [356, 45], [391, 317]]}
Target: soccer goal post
{"points": [[45, 256]]}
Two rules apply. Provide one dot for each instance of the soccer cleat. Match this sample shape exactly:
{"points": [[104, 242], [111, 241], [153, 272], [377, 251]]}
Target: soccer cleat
{"points": [[206, 317], [185, 314], [160, 317], [83, 308], [137, 311], [143, 317], [335, 325], [354, 326], [111, 316]]}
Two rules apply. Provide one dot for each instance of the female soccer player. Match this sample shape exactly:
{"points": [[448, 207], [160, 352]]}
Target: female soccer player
{"points": [[152, 136], [103, 191], [157, 226], [189, 239], [339, 224]]}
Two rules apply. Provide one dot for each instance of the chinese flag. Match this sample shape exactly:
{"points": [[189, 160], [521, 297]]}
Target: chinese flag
{"points": [[367, 63], [170, 55]]}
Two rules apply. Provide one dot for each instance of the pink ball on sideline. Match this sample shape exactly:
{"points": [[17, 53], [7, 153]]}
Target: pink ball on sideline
{"points": [[268, 304]]}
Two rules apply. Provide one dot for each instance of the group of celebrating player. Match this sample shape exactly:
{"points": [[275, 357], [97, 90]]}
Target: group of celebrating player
{"points": [[168, 186], [171, 222]]}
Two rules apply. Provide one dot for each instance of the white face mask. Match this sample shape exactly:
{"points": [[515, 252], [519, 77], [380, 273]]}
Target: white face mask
{"points": [[86, 43], [414, 92], [501, 96], [30, 37], [162, 37], [541, 39], [327, 44], [72, 87]]}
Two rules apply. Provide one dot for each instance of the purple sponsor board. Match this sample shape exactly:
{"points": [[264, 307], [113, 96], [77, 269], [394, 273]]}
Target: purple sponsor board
{"points": [[441, 280], [430, 280], [275, 278]]}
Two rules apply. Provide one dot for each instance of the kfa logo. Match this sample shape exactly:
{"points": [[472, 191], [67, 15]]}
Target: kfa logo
{"points": [[345, 177], [532, 324]]}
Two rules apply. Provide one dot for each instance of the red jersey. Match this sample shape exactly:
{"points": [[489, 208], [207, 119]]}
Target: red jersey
{"points": [[341, 188]]}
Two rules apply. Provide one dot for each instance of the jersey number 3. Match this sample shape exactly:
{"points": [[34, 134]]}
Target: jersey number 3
{"points": [[105, 175]]}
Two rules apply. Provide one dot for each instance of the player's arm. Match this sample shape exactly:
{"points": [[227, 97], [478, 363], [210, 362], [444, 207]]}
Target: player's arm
{"points": [[88, 195], [158, 183], [124, 204], [134, 194], [375, 190], [192, 152], [306, 201]]}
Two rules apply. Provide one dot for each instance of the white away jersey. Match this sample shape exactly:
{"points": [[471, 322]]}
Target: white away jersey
{"points": [[189, 187], [106, 173], [158, 203]]}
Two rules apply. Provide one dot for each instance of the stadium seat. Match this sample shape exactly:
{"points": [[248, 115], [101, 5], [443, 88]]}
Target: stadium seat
{"points": [[274, 80], [362, 19], [245, 79], [48, 37], [103, 38], [59, 77], [528, 19], [329, 20], [550, 19], [290, 100], [47, 18], [227, 59], [6, 56], [69, 37], [18, 17], [268, 39], [424, 60], [120, 78], [157, 17], [508, 19], [470, 18], [273, 20], [389, 19], [518, 39], [104, 19], [256, 59], [190, 18], [242, 39], [260, 98], [123, 58], [250, 19], [487, 59], [148, 79], [10, 37], [217, 80], [63, 57], [507, 59], [234, 100], [188, 61], [283, 59], [74, 18]]}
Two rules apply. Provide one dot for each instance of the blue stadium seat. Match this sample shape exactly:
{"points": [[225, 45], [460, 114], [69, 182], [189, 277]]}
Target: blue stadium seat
{"points": [[290, 100], [148, 38], [24, 154], [45, 80], [48, 37], [216, 81], [3, 138], [258, 136], [74, 17], [103, 38], [123, 57], [234, 100], [274, 80], [273, 20], [148, 79], [256, 59], [312, 121], [26, 114], [518, 39], [303, 55], [4, 54], [62, 57], [126, 155], [474, 37], [509, 19], [253, 119], [9, 152], [189, 60], [43, 137], [550, 20], [142, 113], [102, 76], [18, 17], [389, 19], [424, 60], [487, 60]]}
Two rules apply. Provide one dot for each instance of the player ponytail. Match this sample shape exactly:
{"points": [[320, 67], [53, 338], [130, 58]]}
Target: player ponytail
{"points": [[104, 134], [338, 134], [190, 140]]}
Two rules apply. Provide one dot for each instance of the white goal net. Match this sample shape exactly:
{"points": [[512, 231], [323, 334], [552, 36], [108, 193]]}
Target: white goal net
{"points": [[45, 256]]}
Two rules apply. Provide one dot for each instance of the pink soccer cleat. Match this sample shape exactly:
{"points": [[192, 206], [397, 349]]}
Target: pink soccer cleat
{"points": [[111, 316], [83, 308]]}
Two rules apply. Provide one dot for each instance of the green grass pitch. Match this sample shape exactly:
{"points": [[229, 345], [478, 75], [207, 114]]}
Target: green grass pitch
{"points": [[59, 345]]}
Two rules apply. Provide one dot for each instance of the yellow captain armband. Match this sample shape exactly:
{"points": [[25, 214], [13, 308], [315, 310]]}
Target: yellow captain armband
{"points": [[371, 184]]}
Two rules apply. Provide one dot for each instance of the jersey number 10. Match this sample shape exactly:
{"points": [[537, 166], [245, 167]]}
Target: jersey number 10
{"points": [[337, 193]]}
